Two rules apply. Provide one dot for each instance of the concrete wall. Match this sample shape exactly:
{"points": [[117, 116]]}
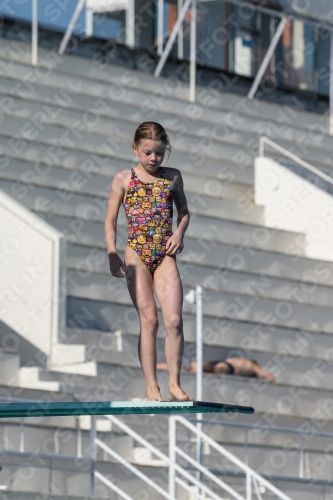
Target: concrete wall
{"points": [[296, 200], [32, 287]]}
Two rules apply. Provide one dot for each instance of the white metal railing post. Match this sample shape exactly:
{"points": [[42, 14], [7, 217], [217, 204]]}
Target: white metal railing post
{"points": [[246, 447], [71, 26], [199, 374], [160, 19], [193, 51], [256, 489], [267, 58], [93, 454], [34, 32], [180, 32], [248, 486], [130, 28], [22, 435], [301, 457], [79, 438], [172, 457], [50, 475], [199, 340], [330, 125]]}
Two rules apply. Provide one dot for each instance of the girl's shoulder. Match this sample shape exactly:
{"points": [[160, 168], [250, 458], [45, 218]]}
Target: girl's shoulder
{"points": [[123, 177]]}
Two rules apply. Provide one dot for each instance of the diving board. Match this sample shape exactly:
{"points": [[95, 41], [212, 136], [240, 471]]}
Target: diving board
{"points": [[53, 409]]}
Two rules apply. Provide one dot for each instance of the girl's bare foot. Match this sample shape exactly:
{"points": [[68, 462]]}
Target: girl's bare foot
{"points": [[176, 393], [153, 394]]}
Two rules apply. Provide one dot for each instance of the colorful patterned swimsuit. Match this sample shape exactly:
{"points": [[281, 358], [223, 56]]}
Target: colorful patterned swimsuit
{"points": [[149, 210]]}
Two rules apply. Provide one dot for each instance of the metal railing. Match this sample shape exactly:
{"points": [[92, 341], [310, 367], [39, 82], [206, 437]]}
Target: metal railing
{"points": [[177, 31], [247, 428], [264, 140], [252, 478]]}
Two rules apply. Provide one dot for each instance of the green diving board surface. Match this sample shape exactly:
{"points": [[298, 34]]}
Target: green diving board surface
{"points": [[52, 409]]}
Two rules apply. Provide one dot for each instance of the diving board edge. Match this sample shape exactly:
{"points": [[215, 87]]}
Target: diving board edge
{"points": [[52, 409]]}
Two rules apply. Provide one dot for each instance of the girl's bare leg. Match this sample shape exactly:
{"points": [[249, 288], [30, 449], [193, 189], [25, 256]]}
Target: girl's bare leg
{"points": [[169, 292], [140, 286]]}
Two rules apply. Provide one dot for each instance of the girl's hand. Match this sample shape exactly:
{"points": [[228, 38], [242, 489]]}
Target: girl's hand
{"points": [[174, 244], [117, 266]]}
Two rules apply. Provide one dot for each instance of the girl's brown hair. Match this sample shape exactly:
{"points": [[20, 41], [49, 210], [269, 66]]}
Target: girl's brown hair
{"points": [[153, 131]]}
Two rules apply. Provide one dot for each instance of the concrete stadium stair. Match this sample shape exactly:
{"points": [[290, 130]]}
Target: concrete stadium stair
{"points": [[64, 137]]}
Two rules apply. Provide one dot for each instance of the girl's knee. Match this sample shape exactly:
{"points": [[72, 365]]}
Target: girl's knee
{"points": [[174, 324], [149, 319]]}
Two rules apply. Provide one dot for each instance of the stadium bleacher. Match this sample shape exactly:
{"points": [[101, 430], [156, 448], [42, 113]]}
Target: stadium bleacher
{"points": [[79, 118]]}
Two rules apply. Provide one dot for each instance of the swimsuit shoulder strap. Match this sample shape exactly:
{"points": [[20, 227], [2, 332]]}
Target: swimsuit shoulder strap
{"points": [[133, 174]]}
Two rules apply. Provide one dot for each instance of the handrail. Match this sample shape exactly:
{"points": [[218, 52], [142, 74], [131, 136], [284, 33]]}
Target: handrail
{"points": [[248, 471], [265, 428], [173, 465], [70, 28], [131, 467], [165, 458], [209, 474], [297, 159], [112, 486]]}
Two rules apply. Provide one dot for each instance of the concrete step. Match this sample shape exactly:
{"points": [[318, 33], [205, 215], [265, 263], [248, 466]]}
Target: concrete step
{"points": [[49, 205], [71, 134], [245, 335], [240, 339], [199, 204], [24, 495], [90, 380], [96, 184], [44, 156], [99, 394], [265, 439], [262, 459], [213, 279], [64, 481], [283, 399], [70, 479], [43, 93], [39, 105], [29, 379], [63, 441], [9, 367], [208, 157], [225, 262], [15, 393], [212, 231], [287, 369], [165, 89], [216, 304], [37, 438]]}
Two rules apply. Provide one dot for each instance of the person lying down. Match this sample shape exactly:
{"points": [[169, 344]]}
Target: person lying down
{"points": [[230, 366]]}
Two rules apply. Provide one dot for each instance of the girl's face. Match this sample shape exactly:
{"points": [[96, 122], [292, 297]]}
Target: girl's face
{"points": [[150, 154]]}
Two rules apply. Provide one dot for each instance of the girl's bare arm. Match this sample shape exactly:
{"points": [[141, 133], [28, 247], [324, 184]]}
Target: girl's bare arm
{"points": [[110, 225]]}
